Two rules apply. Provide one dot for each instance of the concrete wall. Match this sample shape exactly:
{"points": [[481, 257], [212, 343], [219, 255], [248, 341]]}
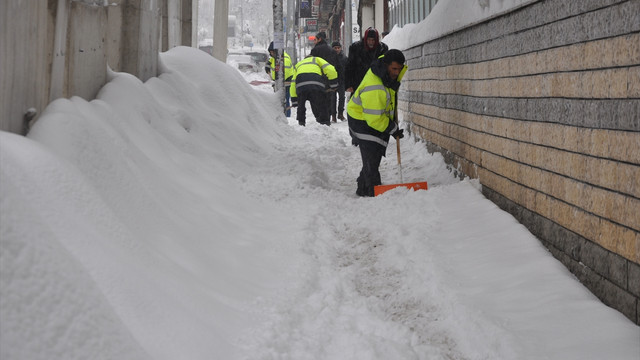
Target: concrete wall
{"points": [[543, 106], [189, 13], [141, 36], [61, 48], [177, 26], [24, 60], [86, 57]]}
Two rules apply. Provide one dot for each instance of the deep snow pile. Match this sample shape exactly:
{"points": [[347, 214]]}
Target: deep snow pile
{"points": [[123, 229], [186, 218]]}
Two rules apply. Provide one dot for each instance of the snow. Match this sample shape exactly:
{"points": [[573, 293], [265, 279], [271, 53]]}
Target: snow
{"points": [[448, 16], [187, 218]]}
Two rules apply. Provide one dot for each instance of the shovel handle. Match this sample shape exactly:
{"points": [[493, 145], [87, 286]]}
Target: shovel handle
{"points": [[398, 151], [395, 118], [399, 160]]}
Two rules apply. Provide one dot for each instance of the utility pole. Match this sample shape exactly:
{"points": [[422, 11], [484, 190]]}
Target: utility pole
{"points": [[291, 30], [220, 28], [348, 27], [241, 25], [279, 45]]}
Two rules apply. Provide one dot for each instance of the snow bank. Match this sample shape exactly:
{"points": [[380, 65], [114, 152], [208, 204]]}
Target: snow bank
{"points": [[121, 217]]}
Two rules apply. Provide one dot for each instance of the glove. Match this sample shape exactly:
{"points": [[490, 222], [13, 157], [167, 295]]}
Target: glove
{"points": [[398, 134]]}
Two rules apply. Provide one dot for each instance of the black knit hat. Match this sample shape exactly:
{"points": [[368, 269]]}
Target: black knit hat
{"points": [[336, 43], [393, 55], [371, 33]]}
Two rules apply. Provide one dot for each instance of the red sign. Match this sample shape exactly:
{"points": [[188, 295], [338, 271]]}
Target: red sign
{"points": [[312, 25]]}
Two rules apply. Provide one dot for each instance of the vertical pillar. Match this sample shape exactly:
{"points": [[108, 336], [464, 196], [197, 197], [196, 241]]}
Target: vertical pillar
{"points": [[278, 42], [141, 38], [348, 24], [291, 30], [186, 22], [220, 27], [25, 46]]}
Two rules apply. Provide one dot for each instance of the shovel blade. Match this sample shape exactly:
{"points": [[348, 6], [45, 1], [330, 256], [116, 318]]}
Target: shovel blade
{"points": [[380, 189]]}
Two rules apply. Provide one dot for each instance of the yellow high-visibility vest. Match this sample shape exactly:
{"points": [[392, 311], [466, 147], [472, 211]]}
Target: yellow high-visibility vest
{"points": [[288, 67], [373, 102]]}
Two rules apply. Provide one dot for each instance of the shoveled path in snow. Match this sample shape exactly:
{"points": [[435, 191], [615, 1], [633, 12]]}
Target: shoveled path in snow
{"points": [[393, 277], [365, 292]]}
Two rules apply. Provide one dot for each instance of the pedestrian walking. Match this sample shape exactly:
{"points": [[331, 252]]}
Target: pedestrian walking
{"points": [[309, 84], [274, 68], [361, 54], [338, 95], [371, 113]]}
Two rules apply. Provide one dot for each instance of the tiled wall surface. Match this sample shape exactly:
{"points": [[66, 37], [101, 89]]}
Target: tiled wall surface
{"points": [[543, 106]]}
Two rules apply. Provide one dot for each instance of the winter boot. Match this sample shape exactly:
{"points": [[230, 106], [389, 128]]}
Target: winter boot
{"points": [[341, 117], [333, 118]]}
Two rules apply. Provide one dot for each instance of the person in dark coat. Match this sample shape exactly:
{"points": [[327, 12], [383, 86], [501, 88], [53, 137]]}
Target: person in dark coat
{"points": [[339, 94], [361, 54], [324, 51]]}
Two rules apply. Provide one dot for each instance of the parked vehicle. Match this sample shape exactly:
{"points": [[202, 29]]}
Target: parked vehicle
{"points": [[261, 57], [207, 46], [243, 63]]}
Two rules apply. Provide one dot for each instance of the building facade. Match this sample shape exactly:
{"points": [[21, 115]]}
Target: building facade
{"points": [[542, 105], [64, 48]]}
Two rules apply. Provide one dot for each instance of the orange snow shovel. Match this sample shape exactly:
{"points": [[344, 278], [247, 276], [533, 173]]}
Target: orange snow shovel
{"points": [[422, 185], [380, 189]]}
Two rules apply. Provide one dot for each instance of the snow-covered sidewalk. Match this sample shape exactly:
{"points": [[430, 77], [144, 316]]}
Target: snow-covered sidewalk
{"points": [[438, 274], [186, 218]]}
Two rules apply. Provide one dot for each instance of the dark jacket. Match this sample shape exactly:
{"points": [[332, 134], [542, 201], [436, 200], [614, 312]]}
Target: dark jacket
{"points": [[310, 76], [371, 108], [342, 67], [360, 59], [323, 50]]}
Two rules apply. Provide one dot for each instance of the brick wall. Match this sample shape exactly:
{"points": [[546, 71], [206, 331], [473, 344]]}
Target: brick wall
{"points": [[543, 106]]}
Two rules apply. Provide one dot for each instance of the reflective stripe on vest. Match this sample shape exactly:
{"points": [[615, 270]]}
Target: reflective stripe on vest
{"points": [[309, 61], [309, 82], [368, 137], [358, 101]]}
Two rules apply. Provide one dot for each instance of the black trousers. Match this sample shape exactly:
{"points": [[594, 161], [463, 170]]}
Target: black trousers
{"points": [[338, 96], [319, 106], [371, 154]]}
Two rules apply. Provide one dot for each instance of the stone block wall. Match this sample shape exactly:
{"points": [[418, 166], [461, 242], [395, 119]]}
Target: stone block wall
{"points": [[542, 105]]}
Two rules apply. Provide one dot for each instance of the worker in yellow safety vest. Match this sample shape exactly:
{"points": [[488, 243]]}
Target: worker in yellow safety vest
{"points": [[274, 68], [372, 116], [312, 79]]}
